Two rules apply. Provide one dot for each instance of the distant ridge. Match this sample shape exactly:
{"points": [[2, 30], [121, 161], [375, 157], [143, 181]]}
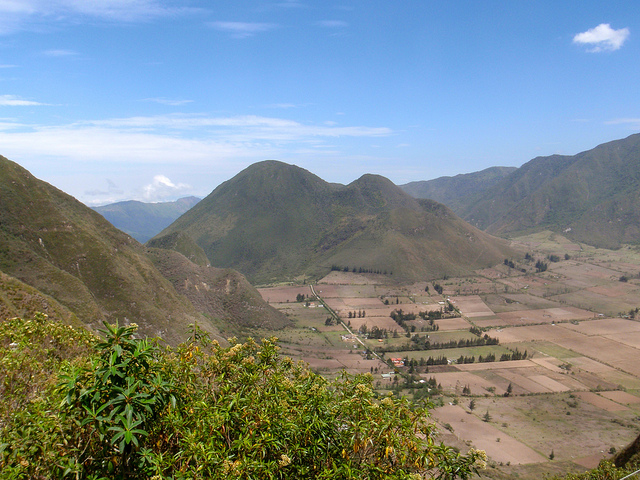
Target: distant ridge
{"points": [[592, 197], [456, 191], [275, 221], [144, 220]]}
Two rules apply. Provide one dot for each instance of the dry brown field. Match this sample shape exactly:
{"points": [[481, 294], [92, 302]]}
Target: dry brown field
{"points": [[601, 402], [283, 294], [472, 306], [605, 326], [546, 315], [623, 398], [485, 436]]}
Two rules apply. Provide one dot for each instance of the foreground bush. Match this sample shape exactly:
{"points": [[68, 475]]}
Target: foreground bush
{"points": [[82, 407]]}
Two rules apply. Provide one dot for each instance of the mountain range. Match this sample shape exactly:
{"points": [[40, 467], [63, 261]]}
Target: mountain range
{"points": [[275, 221], [591, 197]]}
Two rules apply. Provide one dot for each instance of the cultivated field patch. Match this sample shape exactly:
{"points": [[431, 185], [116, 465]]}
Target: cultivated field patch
{"points": [[631, 339], [601, 402], [456, 323], [484, 435], [283, 294], [472, 306], [454, 382], [549, 383], [546, 315], [604, 326], [621, 397], [474, 367]]}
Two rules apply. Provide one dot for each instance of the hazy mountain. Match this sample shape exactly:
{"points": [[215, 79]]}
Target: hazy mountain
{"points": [[61, 257], [593, 197], [456, 191], [144, 220], [274, 221]]}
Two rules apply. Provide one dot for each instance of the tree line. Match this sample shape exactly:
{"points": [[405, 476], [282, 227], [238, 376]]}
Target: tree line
{"points": [[338, 268]]}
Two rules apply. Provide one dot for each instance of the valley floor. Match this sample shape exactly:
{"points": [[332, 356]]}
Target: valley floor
{"points": [[573, 400]]}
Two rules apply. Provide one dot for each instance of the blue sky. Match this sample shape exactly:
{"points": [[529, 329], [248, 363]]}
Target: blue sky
{"points": [[151, 100]]}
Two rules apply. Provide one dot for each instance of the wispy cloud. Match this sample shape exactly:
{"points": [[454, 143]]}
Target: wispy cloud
{"points": [[333, 24], [14, 101], [8, 66], [162, 139], [602, 38], [17, 15], [243, 29], [168, 101], [634, 123], [59, 53], [243, 127], [286, 106], [291, 4], [112, 190]]}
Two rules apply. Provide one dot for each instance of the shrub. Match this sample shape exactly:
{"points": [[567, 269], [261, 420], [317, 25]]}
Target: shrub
{"points": [[124, 407]]}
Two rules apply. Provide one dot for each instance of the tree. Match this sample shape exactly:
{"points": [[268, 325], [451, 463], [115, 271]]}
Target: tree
{"points": [[472, 405], [509, 390], [552, 455], [486, 417]]}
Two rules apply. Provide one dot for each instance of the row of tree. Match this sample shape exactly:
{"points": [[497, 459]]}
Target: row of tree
{"points": [[338, 268], [422, 342]]}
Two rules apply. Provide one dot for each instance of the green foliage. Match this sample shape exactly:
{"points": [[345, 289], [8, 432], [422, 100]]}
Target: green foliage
{"points": [[125, 408]]}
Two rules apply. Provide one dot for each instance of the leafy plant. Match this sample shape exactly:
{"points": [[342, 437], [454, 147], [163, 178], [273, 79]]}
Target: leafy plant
{"points": [[125, 408]]}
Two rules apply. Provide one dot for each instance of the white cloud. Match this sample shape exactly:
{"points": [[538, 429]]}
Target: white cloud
{"points": [[602, 38], [162, 188], [242, 29], [14, 101]]}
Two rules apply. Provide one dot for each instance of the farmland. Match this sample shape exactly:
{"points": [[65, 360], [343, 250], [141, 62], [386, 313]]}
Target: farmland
{"points": [[538, 368]]}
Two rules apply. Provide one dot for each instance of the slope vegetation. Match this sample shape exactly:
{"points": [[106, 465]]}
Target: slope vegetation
{"points": [[275, 221]]}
